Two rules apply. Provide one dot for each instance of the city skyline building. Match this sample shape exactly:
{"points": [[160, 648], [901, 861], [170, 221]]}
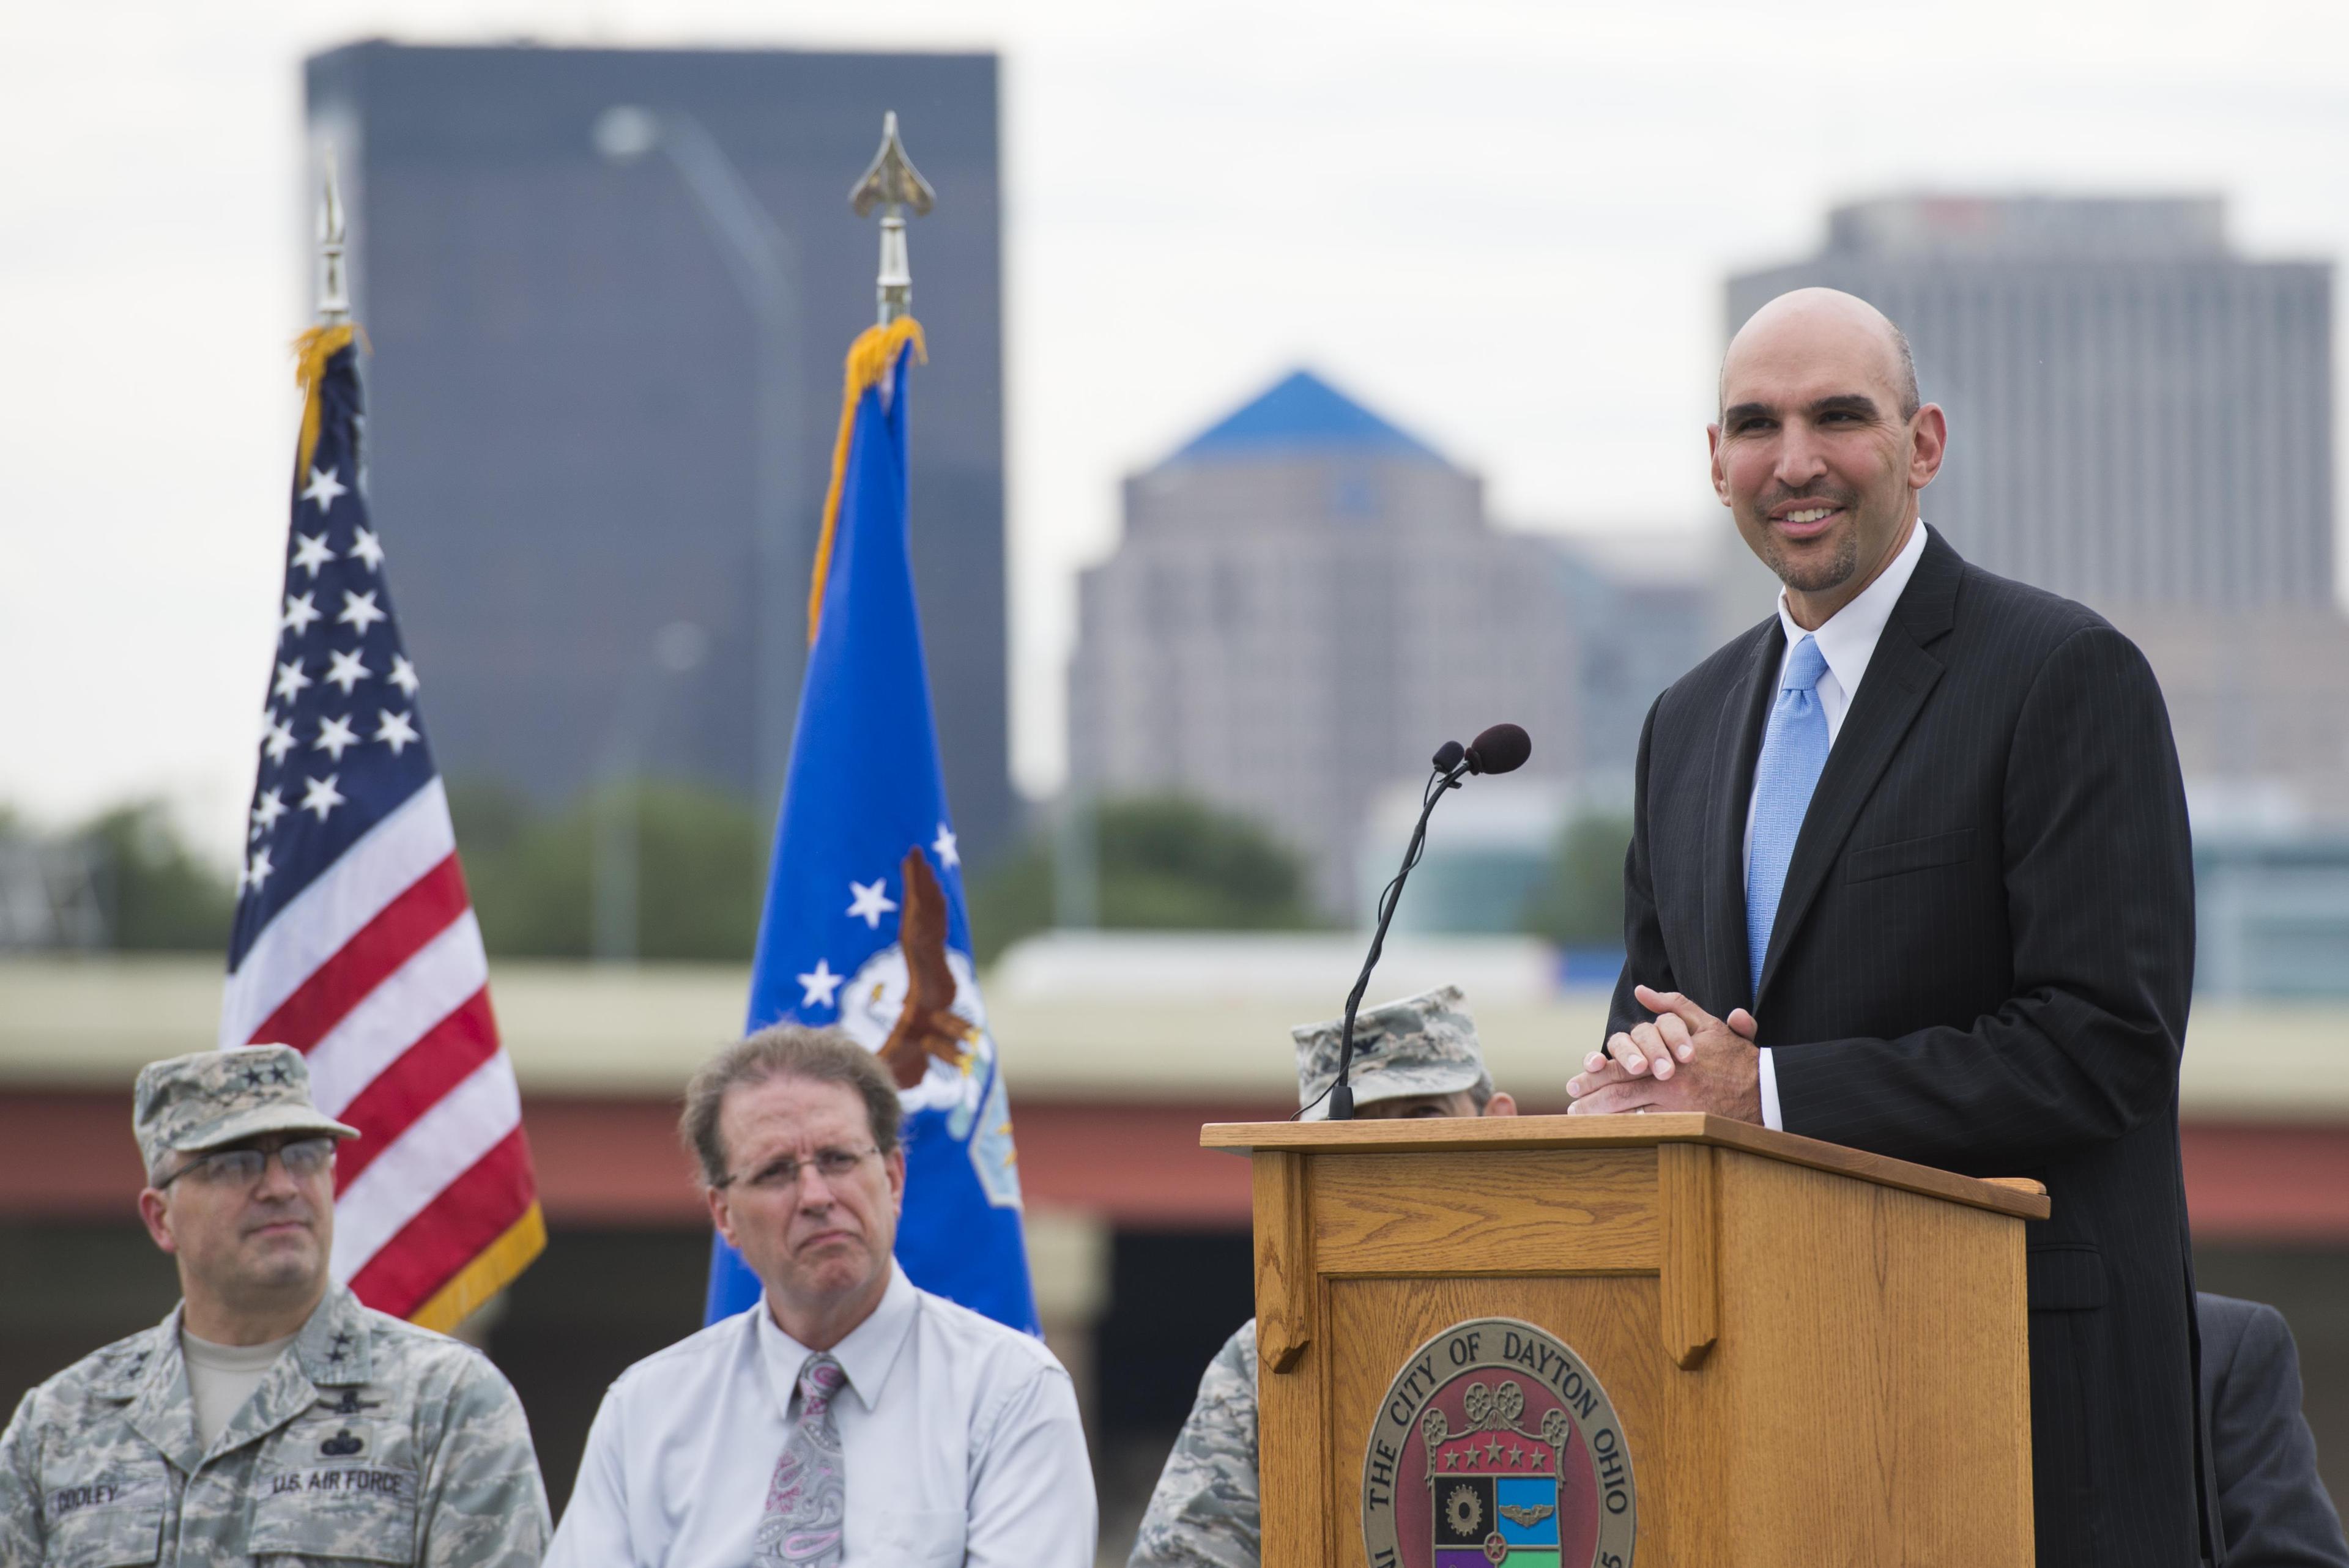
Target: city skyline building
{"points": [[2141, 419], [564, 393], [2139, 414]]}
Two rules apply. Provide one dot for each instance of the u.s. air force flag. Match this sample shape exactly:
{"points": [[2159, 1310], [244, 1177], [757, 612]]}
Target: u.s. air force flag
{"points": [[864, 925]]}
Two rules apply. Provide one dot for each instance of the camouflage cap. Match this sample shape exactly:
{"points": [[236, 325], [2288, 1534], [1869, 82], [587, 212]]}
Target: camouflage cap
{"points": [[187, 1104], [1421, 1044]]}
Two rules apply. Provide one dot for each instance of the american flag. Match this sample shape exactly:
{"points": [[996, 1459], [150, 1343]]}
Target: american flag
{"points": [[356, 942]]}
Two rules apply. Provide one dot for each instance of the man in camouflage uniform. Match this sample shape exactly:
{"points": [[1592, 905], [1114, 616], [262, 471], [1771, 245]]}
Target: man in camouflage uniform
{"points": [[270, 1414], [1415, 1057]]}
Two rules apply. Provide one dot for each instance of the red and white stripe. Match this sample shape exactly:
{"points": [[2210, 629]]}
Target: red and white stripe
{"points": [[375, 973]]}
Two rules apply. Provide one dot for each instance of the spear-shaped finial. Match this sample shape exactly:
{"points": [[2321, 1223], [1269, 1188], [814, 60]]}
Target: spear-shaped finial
{"points": [[334, 293], [893, 184]]}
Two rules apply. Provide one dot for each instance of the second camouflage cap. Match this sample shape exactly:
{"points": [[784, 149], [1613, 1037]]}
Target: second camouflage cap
{"points": [[1421, 1044], [212, 1099]]}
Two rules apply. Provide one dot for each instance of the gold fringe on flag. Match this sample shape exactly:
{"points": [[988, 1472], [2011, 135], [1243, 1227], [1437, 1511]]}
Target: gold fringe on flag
{"points": [[312, 350], [873, 356], [491, 1269]]}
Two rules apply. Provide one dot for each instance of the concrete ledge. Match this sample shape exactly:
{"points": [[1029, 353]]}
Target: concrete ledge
{"points": [[579, 1029]]}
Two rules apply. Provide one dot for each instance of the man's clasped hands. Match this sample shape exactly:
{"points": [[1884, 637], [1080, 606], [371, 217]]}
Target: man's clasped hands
{"points": [[1686, 1059]]}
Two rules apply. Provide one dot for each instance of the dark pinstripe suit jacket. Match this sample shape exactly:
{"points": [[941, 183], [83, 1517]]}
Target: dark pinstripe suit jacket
{"points": [[1981, 961]]}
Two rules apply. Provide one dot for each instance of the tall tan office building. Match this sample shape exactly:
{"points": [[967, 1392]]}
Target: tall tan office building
{"points": [[1305, 603]]}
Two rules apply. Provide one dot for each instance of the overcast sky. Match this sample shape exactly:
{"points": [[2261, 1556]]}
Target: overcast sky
{"points": [[1504, 225]]}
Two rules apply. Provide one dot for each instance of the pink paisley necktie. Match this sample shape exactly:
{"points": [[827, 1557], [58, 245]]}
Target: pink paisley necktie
{"points": [[808, 1500]]}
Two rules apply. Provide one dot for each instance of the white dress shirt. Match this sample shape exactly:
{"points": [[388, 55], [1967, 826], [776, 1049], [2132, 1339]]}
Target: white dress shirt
{"points": [[959, 1437], [1846, 641]]}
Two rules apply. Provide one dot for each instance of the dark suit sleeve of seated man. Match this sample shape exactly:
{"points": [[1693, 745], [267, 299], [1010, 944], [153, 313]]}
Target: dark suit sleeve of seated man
{"points": [[2273, 1503], [2096, 939]]}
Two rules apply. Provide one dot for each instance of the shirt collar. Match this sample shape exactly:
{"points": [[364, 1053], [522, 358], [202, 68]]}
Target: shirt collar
{"points": [[866, 1355], [1847, 638]]}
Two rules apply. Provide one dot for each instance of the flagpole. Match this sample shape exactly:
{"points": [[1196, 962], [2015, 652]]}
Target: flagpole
{"points": [[334, 290], [346, 695], [893, 184]]}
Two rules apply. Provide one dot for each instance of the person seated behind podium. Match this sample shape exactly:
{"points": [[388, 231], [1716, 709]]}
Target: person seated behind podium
{"points": [[1416, 1057], [2272, 1504], [849, 1418]]}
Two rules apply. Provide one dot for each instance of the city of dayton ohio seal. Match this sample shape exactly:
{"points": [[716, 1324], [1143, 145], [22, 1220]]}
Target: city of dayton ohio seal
{"points": [[1497, 1445]]}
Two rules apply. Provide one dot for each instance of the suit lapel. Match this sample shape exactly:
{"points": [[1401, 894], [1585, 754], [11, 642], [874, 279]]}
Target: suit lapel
{"points": [[1737, 745], [1900, 675]]}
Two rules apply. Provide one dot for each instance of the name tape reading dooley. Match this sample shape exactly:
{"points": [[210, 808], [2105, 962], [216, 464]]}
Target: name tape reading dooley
{"points": [[1495, 1445]]}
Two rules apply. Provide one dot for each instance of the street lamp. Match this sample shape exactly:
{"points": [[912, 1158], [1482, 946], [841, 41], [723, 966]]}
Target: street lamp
{"points": [[759, 255], [677, 649]]}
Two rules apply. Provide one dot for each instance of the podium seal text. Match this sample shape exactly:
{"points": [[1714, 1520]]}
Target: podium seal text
{"points": [[1497, 1445]]}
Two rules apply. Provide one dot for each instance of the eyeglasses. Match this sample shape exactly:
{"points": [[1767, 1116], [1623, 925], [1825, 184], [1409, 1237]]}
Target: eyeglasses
{"points": [[783, 1175], [302, 1160]]}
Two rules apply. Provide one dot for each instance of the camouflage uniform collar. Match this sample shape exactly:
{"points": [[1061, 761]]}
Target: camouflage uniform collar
{"points": [[150, 1374], [334, 1346], [131, 1363], [331, 1351]]}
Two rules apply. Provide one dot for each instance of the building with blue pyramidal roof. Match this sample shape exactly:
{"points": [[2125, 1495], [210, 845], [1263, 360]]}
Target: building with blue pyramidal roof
{"points": [[1307, 600], [1301, 412]]}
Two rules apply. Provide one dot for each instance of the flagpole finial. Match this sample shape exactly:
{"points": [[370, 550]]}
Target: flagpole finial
{"points": [[334, 291], [893, 184]]}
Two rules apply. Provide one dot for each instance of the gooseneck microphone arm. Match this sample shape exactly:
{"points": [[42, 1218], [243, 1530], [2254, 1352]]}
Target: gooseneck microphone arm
{"points": [[1498, 749], [1341, 1092]]}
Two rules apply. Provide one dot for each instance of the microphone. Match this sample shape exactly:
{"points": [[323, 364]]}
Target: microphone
{"points": [[1499, 749]]}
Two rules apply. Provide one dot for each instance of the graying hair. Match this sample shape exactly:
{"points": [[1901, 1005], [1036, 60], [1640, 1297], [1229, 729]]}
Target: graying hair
{"points": [[1909, 401], [784, 1050]]}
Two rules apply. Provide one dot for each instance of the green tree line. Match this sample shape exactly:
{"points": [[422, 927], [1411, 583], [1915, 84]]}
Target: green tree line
{"points": [[1578, 902], [152, 891], [1161, 864]]}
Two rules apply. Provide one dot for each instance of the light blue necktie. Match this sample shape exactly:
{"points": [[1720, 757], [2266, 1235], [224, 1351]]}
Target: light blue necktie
{"points": [[1793, 750]]}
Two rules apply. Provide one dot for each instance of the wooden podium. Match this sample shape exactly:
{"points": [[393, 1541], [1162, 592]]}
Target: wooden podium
{"points": [[1817, 1355]]}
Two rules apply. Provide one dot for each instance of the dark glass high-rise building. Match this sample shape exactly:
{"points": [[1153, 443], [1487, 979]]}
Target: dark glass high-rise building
{"points": [[563, 393]]}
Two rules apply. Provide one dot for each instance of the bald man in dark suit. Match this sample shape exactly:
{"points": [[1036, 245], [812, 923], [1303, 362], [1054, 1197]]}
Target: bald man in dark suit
{"points": [[1910, 873]]}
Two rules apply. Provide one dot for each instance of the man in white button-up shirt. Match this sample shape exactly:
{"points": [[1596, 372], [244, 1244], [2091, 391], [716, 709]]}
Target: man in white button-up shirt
{"points": [[957, 1439]]}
